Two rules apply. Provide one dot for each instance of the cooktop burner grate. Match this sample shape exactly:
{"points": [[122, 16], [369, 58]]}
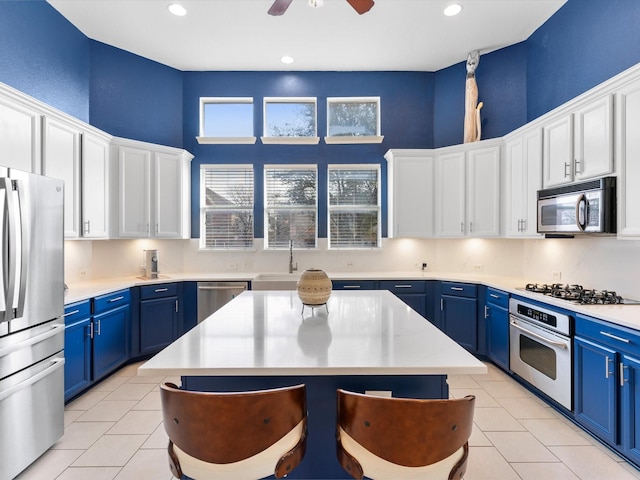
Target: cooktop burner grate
{"points": [[578, 294]]}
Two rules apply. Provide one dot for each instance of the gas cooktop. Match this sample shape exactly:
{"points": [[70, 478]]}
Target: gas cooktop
{"points": [[579, 294]]}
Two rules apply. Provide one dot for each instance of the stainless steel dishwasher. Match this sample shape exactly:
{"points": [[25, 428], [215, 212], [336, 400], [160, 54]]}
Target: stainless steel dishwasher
{"points": [[213, 295]]}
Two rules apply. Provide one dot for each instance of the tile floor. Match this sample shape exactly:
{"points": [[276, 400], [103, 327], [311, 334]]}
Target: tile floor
{"points": [[114, 432]]}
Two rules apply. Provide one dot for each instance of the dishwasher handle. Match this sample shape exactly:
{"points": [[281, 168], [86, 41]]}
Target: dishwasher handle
{"points": [[224, 287]]}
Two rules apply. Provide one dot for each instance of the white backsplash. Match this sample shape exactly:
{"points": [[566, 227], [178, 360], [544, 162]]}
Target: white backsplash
{"points": [[595, 262]]}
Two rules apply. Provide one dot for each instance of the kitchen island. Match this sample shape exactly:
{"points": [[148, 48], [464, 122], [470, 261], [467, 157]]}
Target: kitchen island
{"points": [[362, 341]]}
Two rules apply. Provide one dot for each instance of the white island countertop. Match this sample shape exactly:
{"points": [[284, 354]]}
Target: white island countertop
{"points": [[265, 333]]}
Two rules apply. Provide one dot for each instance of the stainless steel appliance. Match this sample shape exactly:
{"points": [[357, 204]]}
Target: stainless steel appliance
{"points": [[588, 207], [213, 295], [31, 318], [579, 294], [540, 346], [150, 264]]}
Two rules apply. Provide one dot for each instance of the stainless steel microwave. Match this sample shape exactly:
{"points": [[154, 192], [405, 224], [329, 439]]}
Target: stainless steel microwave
{"points": [[588, 207]]}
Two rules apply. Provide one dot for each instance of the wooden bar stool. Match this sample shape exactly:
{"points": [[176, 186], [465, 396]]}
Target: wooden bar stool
{"points": [[398, 438], [244, 435]]}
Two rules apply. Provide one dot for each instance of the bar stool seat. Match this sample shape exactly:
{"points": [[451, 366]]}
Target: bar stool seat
{"points": [[239, 435], [414, 439]]}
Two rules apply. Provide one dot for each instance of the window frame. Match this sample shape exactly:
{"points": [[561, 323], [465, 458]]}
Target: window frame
{"points": [[267, 207], [378, 207], [202, 241], [202, 139], [346, 139], [290, 140]]}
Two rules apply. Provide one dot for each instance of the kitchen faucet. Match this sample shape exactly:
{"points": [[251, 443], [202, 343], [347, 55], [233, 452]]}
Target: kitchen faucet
{"points": [[291, 267]]}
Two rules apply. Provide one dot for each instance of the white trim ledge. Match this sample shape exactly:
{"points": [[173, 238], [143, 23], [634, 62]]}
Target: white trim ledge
{"points": [[347, 139], [226, 140], [290, 140]]}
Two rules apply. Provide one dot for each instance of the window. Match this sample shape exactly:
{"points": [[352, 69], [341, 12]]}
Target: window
{"points": [[290, 206], [290, 120], [226, 120], [353, 120], [226, 206], [354, 206]]}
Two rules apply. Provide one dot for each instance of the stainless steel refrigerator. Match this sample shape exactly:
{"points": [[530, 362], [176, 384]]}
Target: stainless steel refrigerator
{"points": [[31, 318]]}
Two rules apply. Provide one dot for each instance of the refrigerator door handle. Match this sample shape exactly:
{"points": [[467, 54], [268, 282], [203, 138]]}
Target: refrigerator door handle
{"points": [[25, 235], [53, 331], [11, 242]]}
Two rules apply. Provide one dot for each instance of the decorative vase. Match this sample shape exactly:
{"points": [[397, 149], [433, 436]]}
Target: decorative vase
{"points": [[314, 287]]}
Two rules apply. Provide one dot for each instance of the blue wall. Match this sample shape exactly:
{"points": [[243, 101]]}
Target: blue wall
{"points": [[501, 79], [43, 55], [583, 44], [135, 97], [407, 122]]}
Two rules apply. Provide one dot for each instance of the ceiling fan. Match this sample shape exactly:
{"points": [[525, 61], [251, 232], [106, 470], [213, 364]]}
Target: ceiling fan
{"points": [[360, 6]]}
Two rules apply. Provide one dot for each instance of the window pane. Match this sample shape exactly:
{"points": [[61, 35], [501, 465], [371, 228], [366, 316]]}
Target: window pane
{"points": [[227, 120], [290, 206], [226, 207], [353, 187], [296, 119], [228, 228], [353, 119], [295, 225], [354, 229]]}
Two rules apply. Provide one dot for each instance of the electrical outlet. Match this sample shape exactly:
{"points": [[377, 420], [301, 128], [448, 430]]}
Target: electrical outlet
{"points": [[556, 275], [349, 264], [478, 267], [232, 266], [83, 274]]}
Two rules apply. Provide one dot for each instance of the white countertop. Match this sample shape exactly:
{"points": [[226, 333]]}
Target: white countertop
{"points": [[265, 333], [624, 315]]}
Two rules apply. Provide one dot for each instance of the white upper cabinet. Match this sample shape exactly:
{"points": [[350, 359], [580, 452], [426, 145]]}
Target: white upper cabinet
{"points": [[579, 145], [153, 191], [628, 154], [468, 192], [95, 186], [61, 160], [20, 133], [524, 179], [410, 192]]}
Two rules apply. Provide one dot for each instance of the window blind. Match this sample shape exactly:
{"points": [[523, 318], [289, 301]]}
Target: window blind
{"points": [[226, 205]]}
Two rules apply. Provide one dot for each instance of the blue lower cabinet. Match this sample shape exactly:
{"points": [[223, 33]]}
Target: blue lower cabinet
{"points": [[158, 323], [630, 418], [595, 389], [77, 348], [110, 341], [496, 314], [411, 292], [459, 313]]}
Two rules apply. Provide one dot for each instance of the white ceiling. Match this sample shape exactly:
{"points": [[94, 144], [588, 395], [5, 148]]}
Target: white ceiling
{"points": [[395, 35]]}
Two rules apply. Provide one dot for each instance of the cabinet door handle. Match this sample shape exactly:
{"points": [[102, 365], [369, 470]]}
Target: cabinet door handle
{"points": [[622, 379], [117, 299], [73, 312], [471, 226], [98, 332], [606, 367], [576, 163], [461, 227], [486, 312], [457, 289], [524, 224], [615, 337], [87, 227], [442, 304], [567, 166], [158, 290], [176, 306], [90, 329]]}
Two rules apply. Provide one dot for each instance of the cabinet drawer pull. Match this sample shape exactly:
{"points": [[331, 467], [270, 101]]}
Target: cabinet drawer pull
{"points": [[457, 289], [493, 295], [117, 299], [402, 286], [615, 337], [73, 312], [158, 290], [351, 286]]}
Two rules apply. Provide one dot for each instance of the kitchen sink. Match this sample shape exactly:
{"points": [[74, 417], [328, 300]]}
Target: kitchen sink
{"points": [[275, 281]]}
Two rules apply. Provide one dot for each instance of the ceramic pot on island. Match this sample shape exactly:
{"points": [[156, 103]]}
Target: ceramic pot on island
{"points": [[314, 287]]}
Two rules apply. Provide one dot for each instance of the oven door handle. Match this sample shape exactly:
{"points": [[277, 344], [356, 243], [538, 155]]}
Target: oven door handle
{"points": [[539, 337]]}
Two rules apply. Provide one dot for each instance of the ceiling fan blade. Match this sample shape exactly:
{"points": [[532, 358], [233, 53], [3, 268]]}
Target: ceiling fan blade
{"points": [[279, 7], [361, 6]]}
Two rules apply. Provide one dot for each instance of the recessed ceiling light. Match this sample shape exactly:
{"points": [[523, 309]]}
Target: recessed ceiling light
{"points": [[177, 9], [453, 9], [287, 59]]}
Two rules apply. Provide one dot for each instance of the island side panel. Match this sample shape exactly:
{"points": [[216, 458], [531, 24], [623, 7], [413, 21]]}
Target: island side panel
{"points": [[320, 460]]}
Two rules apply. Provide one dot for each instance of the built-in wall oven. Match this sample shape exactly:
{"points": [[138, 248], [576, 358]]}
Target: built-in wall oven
{"points": [[540, 349]]}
